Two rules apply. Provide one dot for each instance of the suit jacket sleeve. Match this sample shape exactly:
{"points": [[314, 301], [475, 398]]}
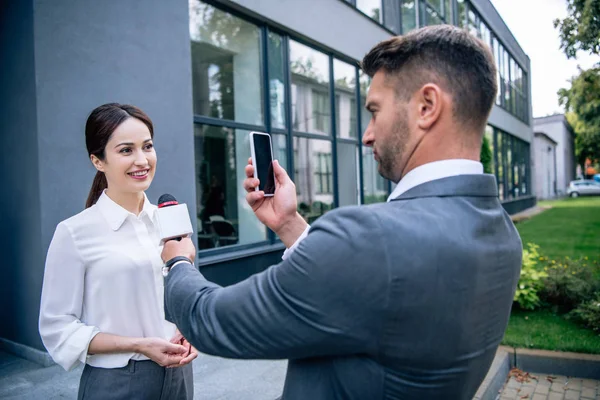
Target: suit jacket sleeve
{"points": [[327, 298]]}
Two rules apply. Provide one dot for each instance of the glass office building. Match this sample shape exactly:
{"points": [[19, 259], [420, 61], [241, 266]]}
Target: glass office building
{"points": [[208, 73]]}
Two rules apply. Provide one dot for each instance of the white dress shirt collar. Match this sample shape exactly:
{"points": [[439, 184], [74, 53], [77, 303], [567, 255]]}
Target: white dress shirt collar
{"points": [[115, 215], [436, 170]]}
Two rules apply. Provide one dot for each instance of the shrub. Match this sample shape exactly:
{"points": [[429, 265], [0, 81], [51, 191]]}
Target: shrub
{"points": [[588, 313], [486, 156], [531, 279], [567, 284]]}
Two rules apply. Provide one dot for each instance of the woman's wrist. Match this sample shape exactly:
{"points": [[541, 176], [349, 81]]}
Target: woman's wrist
{"points": [[137, 345]]}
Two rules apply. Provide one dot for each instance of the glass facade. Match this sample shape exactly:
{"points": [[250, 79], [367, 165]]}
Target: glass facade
{"points": [[248, 77], [510, 164], [512, 79]]}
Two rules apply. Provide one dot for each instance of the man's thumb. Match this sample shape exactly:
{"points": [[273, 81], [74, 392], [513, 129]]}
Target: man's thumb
{"points": [[280, 175]]}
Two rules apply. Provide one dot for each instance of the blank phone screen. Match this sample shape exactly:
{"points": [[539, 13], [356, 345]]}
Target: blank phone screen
{"points": [[264, 163]]}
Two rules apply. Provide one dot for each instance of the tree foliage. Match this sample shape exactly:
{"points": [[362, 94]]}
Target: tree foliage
{"points": [[582, 102], [580, 30]]}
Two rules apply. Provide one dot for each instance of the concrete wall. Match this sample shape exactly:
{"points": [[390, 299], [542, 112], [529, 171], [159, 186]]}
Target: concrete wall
{"points": [[64, 59], [557, 128], [20, 222], [332, 24], [544, 152]]}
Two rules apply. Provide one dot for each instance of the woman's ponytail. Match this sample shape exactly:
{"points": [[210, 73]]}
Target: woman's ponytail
{"points": [[98, 187]]}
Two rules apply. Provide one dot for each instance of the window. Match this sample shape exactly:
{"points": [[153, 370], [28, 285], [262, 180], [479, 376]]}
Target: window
{"points": [[226, 65], [511, 80], [276, 59], [489, 135], [323, 173], [320, 113], [374, 186], [409, 15], [310, 89], [223, 216], [348, 174], [461, 6], [244, 81], [372, 8], [314, 178], [345, 99], [500, 164]]}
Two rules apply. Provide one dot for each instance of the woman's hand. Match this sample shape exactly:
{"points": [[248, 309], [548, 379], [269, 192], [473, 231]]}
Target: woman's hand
{"points": [[192, 352], [163, 352]]}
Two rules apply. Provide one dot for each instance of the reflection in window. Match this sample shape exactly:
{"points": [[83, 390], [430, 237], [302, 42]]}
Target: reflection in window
{"points": [[276, 81], [462, 13], [223, 215], [348, 173], [430, 16], [409, 15], [226, 65], [345, 99], [500, 159], [372, 8], [279, 143], [313, 177], [311, 111], [489, 134], [323, 173], [374, 186], [320, 111]]}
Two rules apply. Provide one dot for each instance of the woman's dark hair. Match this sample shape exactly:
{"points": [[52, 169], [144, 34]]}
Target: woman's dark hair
{"points": [[99, 127]]}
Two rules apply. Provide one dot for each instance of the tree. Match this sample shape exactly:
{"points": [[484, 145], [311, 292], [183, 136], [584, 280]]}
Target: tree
{"points": [[581, 29], [582, 103], [486, 156]]}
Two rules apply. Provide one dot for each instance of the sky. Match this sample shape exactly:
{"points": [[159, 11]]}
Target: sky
{"points": [[530, 21]]}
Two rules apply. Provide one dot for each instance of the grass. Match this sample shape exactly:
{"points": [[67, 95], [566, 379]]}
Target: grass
{"points": [[548, 331], [571, 228]]}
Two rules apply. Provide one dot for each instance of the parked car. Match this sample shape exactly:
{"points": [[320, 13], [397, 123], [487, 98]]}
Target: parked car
{"points": [[584, 187]]}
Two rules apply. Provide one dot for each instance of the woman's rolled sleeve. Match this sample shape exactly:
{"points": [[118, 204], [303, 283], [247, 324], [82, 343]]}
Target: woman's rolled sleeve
{"points": [[66, 338]]}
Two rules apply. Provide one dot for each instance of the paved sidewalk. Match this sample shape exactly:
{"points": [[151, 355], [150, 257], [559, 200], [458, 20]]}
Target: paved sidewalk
{"points": [[214, 378], [528, 213], [522, 385]]}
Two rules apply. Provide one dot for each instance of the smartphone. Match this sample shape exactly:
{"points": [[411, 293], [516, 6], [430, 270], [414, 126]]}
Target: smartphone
{"points": [[262, 159]]}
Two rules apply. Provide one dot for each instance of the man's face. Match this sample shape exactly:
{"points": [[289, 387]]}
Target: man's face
{"points": [[388, 131]]}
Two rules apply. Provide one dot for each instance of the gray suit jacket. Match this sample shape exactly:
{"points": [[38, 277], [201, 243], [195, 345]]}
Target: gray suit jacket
{"points": [[400, 300]]}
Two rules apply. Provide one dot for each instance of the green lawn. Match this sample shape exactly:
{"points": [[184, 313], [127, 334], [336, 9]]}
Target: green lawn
{"points": [[571, 228], [548, 331]]}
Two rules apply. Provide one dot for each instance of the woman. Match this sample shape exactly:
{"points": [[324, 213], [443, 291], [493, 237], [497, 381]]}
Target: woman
{"points": [[102, 299]]}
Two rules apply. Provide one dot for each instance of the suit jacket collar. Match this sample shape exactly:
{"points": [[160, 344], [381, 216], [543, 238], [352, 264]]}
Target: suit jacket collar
{"points": [[482, 185]]}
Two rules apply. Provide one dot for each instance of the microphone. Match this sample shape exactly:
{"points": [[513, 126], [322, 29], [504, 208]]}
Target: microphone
{"points": [[173, 219]]}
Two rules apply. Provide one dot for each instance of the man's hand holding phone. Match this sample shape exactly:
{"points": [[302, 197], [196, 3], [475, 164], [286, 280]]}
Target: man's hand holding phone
{"points": [[278, 212]]}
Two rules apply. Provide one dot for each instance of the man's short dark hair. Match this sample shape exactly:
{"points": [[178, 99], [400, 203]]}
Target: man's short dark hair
{"points": [[445, 55]]}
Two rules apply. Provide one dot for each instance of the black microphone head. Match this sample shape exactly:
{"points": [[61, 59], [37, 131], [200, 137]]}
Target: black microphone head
{"points": [[166, 200]]}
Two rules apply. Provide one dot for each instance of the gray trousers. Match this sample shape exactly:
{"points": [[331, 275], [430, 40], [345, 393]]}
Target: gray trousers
{"points": [[143, 380]]}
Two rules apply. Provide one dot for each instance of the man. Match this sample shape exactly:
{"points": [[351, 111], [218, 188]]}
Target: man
{"points": [[406, 299]]}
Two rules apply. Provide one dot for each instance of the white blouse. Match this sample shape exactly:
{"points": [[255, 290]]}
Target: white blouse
{"points": [[103, 274]]}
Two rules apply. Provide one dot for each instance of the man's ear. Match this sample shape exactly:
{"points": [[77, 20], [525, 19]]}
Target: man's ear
{"points": [[98, 164], [430, 105]]}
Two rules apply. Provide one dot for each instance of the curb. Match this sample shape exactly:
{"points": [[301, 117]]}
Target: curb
{"points": [[576, 365], [26, 352], [496, 376], [586, 366]]}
